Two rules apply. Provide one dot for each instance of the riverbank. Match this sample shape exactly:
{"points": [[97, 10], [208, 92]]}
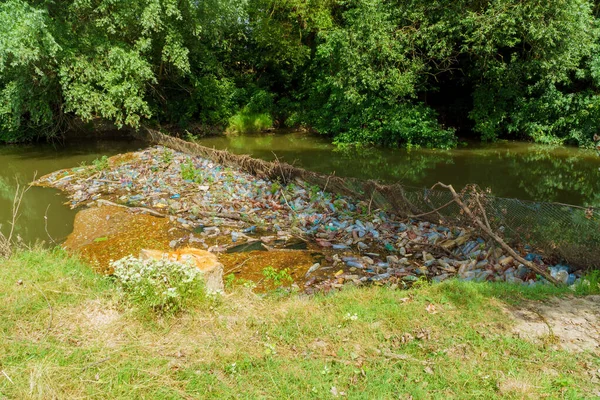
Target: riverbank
{"points": [[68, 333]]}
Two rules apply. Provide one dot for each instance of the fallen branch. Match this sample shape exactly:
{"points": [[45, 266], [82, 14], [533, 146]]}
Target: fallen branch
{"points": [[494, 236], [6, 241], [327, 183], [433, 247], [95, 363], [285, 180], [237, 267], [223, 215], [46, 226], [132, 209], [402, 357]]}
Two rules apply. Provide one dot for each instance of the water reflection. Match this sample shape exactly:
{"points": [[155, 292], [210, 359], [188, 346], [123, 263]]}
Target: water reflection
{"points": [[510, 169], [21, 163]]}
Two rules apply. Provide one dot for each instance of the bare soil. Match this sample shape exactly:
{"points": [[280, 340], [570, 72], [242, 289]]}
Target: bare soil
{"points": [[569, 323]]}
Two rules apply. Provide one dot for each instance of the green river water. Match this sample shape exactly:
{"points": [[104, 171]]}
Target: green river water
{"points": [[509, 169]]}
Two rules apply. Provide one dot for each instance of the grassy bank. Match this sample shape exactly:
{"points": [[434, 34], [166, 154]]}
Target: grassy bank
{"points": [[67, 333]]}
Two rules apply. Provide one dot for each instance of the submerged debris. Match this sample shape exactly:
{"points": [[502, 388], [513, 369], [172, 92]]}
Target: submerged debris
{"points": [[225, 210]]}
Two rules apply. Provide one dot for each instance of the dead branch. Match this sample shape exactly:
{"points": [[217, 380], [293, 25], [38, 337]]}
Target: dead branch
{"points": [[483, 213], [284, 180], [17, 200], [432, 246], [132, 209], [95, 363], [494, 236], [237, 267], [6, 241], [7, 377], [327, 183]]}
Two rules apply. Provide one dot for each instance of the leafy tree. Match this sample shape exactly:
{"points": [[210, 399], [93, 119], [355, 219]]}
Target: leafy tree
{"points": [[535, 70], [120, 61], [29, 93], [362, 71], [364, 81]]}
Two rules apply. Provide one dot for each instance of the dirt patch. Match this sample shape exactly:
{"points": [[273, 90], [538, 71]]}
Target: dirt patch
{"points": [[93, 321], [571, 324], [517, 388]]}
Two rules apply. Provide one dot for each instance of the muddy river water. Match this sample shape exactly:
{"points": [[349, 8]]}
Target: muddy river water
{"points": [[509, 169]]}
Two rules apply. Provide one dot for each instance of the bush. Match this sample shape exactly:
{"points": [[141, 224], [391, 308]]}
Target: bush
{"points": [[405, 125], [160, 286], [247, 122]]}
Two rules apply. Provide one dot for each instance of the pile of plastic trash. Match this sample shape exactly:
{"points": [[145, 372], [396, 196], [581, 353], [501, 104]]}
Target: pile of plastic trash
{"points": [[360, 244]]}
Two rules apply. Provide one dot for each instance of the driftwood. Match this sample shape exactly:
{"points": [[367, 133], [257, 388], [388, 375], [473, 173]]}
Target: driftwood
{"points": [[206, 214], [131, 209], [433, 247], [223, 215], [485, 227]]}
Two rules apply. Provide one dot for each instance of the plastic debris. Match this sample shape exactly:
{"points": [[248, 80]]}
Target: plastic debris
{"points": [[212, 201]]}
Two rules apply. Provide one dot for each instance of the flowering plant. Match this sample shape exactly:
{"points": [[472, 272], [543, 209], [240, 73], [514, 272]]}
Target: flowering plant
{"points": [[163, 286]]}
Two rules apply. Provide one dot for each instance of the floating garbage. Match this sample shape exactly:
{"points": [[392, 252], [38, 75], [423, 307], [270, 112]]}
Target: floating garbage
{"points": [[212, 201]]}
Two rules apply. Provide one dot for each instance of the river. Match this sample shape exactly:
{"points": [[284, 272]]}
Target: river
{"points": [[20, 163], [510, 169]]}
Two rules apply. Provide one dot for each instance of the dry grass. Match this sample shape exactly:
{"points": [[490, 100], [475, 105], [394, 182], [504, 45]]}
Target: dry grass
{"points": [[5, 247], [7, 241], [66, 333]]}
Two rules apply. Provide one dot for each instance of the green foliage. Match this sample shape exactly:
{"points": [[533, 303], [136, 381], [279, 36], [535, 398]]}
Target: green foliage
{"points": [[120, 61], [232, 281], [247, 342], [166, 157], [589, 284], [362, 71], [405, 124], [244, 122], [363, 84], [536, 71], [255, 116], [28, 53], [275, 277], [275, 187], [101, 164], [109, 84], [190, 173], [159, 286]]}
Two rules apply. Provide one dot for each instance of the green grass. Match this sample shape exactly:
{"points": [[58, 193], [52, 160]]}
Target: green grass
{"points": [[246, 122], [68, 333], [590, 284]]}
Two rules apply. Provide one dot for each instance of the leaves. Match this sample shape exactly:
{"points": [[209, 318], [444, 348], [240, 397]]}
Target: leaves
{"points": [[362, 71]]}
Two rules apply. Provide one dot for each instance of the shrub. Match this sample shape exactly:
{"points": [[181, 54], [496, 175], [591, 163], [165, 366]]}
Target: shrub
{"points": [[160, 286], [249, 122]]}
